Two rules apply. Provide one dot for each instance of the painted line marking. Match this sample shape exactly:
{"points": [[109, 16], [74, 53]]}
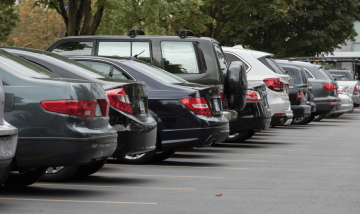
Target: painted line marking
{"points": [[224, 153], [75, 201], [297, 137], [216, 159], [197, 167], [287, 141], [215, 148], [249, 144], [168, 176], [74, 185]]}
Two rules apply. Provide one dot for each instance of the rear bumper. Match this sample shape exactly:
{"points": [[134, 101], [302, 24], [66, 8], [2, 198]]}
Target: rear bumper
{"points": [[282, 120], [325, 107], [255, 116], [57, 151], [301, 110], [346, 105], [356, 99], [10, 133]]}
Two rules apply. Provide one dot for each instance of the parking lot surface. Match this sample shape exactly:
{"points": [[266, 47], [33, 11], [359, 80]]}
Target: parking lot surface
{"points": [[294, 169]]}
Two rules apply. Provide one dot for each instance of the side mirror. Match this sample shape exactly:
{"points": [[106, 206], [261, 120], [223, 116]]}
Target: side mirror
{"points": [[236, 85]]}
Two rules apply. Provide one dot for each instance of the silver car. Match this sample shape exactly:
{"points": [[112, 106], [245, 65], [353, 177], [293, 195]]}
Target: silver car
{"points": [[346, 102]]}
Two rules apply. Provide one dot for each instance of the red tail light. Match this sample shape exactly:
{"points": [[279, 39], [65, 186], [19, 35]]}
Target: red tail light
{"points": [[300, 97], [279, 114], [120, 100], [104, 105], [329, 86], [341, 91], [275, 84], [332, 101], [252, 96], [356, 90], [224, 99], [197, 105], [83, 108]]}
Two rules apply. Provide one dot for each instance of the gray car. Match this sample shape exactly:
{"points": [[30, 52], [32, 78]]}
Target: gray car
{"points": [[8, 140]]}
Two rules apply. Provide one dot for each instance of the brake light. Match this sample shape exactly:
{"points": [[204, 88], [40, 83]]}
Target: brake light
{"points": [[198, 105], [104, 105], [300, 97], [329, 86], [356, 90], [341, 91], [252, 96], [332, 101], [280, 114], [224, 99], [275, 84], [82, 108], [120, 100]]}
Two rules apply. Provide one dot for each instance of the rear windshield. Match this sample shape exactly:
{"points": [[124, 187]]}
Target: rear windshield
{"points": [[271, 64], [325, 73], [10, 63], [346, 75], [154, 72]]}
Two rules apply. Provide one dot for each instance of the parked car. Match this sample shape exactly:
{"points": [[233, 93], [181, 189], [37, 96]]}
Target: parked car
{"points": [[349, 80], [61, 122], [188, 115], [300, 94], [8, 140], [324, 87], [197, 60], [262, 68], [346, 102]]}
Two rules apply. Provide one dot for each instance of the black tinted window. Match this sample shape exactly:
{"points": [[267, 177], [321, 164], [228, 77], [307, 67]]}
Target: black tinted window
{"points": [[74, 48], [231, 58]]}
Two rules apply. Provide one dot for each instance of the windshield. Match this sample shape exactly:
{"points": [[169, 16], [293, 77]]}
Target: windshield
{"points": [[155, 72], [346, 75], [11, 63]]}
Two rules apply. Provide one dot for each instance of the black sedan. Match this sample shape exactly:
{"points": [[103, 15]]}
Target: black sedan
{"points": [[59, 121]]}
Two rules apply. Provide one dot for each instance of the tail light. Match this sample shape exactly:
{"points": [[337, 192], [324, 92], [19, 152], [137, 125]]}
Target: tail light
{"points": [[300, 97], [104, 105], [332, 101], [356, 90], [198, 105], [329, 86], [280, 114], [224, 99], [82, 108], [252, 96], [275, 84], [342, 91], [120, 100]]}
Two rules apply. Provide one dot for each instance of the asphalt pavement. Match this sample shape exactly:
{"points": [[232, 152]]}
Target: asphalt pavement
{"points": [[295, 169]]}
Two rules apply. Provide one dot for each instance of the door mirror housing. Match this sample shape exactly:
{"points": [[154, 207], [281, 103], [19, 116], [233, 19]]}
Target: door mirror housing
{"points": [[236, 85]]}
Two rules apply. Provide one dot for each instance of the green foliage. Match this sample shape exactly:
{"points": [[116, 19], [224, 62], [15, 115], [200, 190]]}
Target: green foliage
{"points": [[155, 17], [8, 18]]}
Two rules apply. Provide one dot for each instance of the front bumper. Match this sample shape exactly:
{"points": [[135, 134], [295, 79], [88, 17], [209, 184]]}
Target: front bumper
{"points": [[10, 134], [301, 110], [325, 107]]}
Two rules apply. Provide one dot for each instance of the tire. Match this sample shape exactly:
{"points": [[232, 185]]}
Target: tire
{"points": [[237, 137], [250, 134], [87, 170], [23, 179], [301, 120], [319, 117], [57, 174], [137, 159], [311, 118], [4, 174], [162, 156]]}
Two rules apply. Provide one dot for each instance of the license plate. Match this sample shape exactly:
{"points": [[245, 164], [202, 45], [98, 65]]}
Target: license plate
{"points": [[142, 107], [216, 104], [5, 144], [98, 112]]}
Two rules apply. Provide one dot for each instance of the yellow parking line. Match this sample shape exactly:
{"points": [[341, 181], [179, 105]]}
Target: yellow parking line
{"points": [[203, 159], [76, 201], [168, 176], [74, 185]]}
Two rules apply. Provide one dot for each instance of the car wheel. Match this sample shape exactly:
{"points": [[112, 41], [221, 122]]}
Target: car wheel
{"points": [[162, 156], [136, 158], [60, 173], [301, 120], [4, 174], [86, 170], [20, 179], [250, 134], [311, 118], [237, 137], [319, 117]]}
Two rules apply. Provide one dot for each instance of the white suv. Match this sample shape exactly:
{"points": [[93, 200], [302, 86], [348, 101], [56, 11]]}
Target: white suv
{"points": [[261, 67]]}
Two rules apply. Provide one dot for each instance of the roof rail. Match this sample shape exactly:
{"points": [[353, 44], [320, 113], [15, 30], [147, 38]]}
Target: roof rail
{"points": [[183, 33], [292, 59], [134, 32]]}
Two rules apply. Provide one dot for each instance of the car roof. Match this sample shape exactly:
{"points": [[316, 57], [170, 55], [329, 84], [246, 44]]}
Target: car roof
{"points": [[255, 53], [299, 63]]}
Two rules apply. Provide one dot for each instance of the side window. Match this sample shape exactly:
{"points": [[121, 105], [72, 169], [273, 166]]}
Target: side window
{"points": [[142, 48], [221, 57], [309, 75], [231, 58], [118, 74], [101, 67], [179, 57], [291, 74], [74, 48], [121, 49]]}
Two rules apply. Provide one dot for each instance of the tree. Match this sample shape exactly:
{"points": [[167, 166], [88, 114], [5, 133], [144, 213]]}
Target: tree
{"points": [[8, 18], [161, 17], [77, 14], [308, 28], [38, 27]]}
